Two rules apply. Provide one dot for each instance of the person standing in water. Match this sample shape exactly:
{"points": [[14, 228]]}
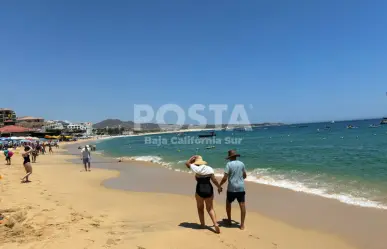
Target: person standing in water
{"points": [[235, 173], [86, 157], [204, 191], [27, 164]]}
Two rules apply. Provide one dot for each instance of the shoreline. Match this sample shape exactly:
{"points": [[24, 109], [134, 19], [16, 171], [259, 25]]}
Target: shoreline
{"points": [[303, 210], [64, 207], [285, 184], [156, 133]]}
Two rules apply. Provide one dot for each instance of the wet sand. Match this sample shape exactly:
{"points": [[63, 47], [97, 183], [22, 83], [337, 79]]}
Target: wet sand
{"points": [[65, 207], [361, 227]]}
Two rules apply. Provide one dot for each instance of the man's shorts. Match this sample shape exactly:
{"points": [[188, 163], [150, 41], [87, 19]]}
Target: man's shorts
{"points": [[240, 196], [86, 160]]}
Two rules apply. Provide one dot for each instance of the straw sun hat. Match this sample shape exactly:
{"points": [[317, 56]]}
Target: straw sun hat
{"points": [[199, 161]]}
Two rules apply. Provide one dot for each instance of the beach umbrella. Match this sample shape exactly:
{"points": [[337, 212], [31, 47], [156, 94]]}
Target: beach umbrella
{"points": [[16, 138]]}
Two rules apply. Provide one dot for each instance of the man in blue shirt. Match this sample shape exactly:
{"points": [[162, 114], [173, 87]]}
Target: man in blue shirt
{"points": [[235, 173]]}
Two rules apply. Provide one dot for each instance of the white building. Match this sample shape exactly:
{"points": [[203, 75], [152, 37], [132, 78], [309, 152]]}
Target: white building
{"points": [[86, 128], [76, 127], [53, 125], [89, 128]]}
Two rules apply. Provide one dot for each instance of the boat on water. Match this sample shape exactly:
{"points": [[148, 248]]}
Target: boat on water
{"points": [[245, 128], [373, 126], [351, 127], [211, 134], [384, 121], [333, 122]]}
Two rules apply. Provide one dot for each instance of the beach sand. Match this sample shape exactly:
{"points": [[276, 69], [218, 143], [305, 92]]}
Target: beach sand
{"points": [[64, 207]]}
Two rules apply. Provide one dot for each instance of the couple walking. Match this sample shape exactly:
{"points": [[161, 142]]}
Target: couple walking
{"points": [[234, 172]]}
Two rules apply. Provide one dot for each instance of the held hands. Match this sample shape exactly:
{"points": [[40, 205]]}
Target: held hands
{"points": [[220, 189]]}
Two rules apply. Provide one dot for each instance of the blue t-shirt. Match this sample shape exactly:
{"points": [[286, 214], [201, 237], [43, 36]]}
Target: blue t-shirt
{"points": [[234, 170]]}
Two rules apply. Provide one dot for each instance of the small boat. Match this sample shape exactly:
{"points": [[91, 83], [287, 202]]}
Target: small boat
{"points": [[248, 128], [384, 121], [333, 122], [373, 126], [229, 128], [211, 134], [351, 127]]}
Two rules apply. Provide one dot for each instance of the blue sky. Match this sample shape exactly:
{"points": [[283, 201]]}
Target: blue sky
{"points": [[293, 61]]}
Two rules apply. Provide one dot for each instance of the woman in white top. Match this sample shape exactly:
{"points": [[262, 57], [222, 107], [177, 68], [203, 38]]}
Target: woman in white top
{"points": [[204, 191]]}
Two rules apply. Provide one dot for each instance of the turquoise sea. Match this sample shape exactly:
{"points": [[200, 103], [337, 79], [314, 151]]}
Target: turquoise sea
{"points": [[325, 159]]}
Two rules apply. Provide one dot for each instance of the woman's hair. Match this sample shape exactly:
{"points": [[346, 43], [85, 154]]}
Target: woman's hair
{"points": [[26, 148]]}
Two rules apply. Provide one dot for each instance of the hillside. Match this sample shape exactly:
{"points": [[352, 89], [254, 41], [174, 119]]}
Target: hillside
{"points": [[114, 123]]}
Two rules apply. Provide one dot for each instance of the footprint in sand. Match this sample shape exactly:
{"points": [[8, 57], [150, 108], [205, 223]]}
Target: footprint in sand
{"points": [[253, 236], [110, 242]]}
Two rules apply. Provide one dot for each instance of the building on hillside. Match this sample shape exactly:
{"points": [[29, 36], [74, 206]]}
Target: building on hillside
{"points": [[89, 128], [31, 122], [76, 127], [7, 117], [85, 128], [53, 125], [127, 132]]}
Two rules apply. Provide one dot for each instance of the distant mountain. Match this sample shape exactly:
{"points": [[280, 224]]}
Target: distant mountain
{"points": [[114, 123]]}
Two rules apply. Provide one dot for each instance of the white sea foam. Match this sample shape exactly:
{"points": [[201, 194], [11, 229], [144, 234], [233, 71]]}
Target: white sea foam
{"points": [[260, 176], [267, 177], [152, 159]]}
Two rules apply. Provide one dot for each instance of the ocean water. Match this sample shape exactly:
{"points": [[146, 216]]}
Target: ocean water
{"points": [[349, 165]]}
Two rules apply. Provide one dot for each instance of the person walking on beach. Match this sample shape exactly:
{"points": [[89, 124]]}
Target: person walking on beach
{"points": [[204, 191], [43, 148], [86, 157], [50, 148], [27, 164], [8, 154], [34, 154], [235, 173]]}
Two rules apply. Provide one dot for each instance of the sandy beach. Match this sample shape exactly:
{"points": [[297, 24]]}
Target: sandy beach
{"points": [[64, 207]]}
